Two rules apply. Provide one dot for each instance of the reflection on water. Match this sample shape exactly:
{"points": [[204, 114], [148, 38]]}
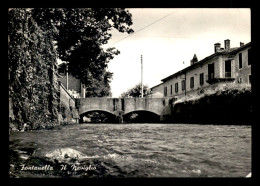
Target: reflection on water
{"points": [[132, 150]]}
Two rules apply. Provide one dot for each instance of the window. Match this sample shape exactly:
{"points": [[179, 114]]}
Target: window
{"points": [[192, 82], [249, 79], [201, 78], [228, 69], [171, 89], [211, 71], [165, 91], [183, 86], [239, 80], [176, 87], [249, 54], [240, 60]]}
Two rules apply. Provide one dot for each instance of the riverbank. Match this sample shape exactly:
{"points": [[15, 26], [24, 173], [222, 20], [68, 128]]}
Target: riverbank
{"points": [[25, 128]]}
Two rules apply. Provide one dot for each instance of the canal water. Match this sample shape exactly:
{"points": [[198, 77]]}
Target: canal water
{"points": [[132, 150]]}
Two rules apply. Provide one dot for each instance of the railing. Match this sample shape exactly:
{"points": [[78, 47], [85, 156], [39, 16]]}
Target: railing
{"points": [[210, 76], [66, 91], [227, 74]]}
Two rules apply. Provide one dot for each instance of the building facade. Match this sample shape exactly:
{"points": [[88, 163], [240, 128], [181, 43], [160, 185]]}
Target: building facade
{"points": [[157, 91], [75, 87], [225, 65]]}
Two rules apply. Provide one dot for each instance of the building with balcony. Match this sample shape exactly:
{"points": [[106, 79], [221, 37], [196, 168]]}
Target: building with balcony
{"points": [[225, 65]]}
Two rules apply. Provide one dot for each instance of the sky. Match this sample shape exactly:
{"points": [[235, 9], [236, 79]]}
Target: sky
{"points": [[168, 38]]}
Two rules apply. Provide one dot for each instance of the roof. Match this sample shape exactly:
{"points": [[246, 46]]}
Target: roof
{"points": [[223, 52], [240, 48], [156, 86]]}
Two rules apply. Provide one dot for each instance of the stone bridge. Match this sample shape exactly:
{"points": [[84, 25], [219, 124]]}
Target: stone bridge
{"points": [[122, 106]]}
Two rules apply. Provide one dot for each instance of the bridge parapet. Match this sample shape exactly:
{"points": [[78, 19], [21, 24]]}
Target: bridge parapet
{"points": [[116, 106], [90, 104], [155, 105]]}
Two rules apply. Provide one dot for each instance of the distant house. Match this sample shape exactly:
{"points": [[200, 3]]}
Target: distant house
{"points": [[75, 86], [156, 91], [225, 65]]}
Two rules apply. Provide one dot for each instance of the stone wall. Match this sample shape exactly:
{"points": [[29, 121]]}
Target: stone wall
{"points": [[69, 114]]}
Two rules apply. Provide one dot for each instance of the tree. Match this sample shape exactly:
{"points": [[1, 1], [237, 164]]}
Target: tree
{"points": [[101, 87], [82, 32], [32, 69], [36, 37], [136, 91]]}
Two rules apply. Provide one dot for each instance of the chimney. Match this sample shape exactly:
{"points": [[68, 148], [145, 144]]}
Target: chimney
{"points": [[227, 44], [241, 44], [216, 47], [194, 60]]}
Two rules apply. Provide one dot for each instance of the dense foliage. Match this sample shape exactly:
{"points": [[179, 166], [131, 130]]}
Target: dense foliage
{"points": [[37, 37], [32, 67], [100, 87], [82, 33], [136, 91], [226, 106]]}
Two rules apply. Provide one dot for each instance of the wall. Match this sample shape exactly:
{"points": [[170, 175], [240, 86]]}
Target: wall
{"points": [[105, 104], [157, 91], [69, 113], [245, 71], [194, 72], [73, 82], [155, 105]]}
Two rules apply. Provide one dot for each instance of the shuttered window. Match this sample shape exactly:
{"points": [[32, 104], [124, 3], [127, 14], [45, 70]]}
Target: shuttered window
{"points": [[240, 60], [192, 82], [201, 78]]}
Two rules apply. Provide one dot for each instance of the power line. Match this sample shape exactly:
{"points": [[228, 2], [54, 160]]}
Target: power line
{"points": [[145, 27]]}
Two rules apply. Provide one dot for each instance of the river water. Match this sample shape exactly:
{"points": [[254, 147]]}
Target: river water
{"points": [[132, 150]]}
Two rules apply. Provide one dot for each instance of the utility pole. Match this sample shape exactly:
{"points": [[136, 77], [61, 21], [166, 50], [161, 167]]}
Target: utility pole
{"points": [[67, 76], [142, 88], [185, 84]]}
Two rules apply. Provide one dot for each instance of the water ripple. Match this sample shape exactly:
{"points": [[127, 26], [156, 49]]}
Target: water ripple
{"points": [[137, 150]]}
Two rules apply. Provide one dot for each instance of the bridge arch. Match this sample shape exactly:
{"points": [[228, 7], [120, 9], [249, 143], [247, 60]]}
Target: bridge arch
{"points": [[142, 110], [96, 110], [97, 116], [141, 116]]}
